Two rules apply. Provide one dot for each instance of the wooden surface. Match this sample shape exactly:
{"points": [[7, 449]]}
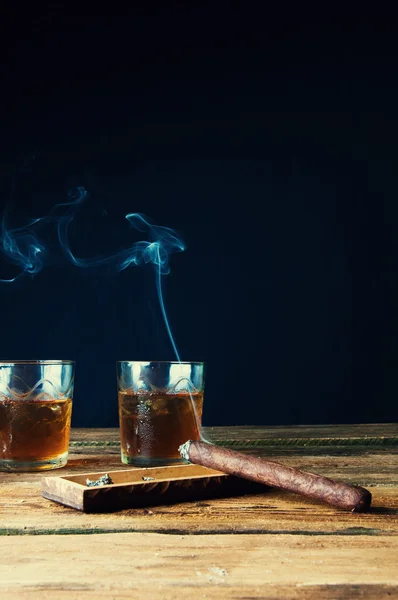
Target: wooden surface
{"points": [[274, 545]]}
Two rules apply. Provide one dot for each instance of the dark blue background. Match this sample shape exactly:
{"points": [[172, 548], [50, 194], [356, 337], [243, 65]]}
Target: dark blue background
{"points": [[269, 146]]}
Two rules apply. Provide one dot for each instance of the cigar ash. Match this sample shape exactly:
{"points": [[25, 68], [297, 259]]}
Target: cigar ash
{"points": [[103, 480]]}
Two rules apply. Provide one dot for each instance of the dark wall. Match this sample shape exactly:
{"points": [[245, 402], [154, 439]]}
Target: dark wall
{"points": [[269, 146]]}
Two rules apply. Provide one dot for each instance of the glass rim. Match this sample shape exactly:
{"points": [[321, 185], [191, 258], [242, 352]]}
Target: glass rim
{"points": [[4, 363], [165, 362]]}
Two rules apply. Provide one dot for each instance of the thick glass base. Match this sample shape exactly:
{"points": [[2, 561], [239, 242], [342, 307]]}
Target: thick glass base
{"points": [[148, 461], [36, 465]]}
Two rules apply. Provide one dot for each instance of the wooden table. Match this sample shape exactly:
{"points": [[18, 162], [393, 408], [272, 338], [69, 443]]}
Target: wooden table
{"points": [[275, 545]]}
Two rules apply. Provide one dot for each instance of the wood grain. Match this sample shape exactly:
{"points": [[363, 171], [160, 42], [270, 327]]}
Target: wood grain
{"points": [[138, 565], [23, 510], [272, 546], [380, 434]]}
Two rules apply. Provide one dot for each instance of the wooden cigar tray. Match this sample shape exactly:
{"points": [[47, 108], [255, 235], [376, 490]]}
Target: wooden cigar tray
{"points": [[141, 487]]}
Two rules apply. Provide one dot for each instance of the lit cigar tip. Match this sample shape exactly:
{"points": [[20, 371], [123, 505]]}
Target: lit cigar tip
{"points": [[184, 450]]}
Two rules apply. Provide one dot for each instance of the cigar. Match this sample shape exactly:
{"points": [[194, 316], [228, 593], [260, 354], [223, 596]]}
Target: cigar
{"points": [[341, 495]]}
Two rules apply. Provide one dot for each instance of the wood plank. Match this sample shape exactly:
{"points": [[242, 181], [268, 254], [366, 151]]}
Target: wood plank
{"points": [[136, 565], [362, 467], [274, 513], [304, 435], [379, 434], [267, 591], [23, 510]]}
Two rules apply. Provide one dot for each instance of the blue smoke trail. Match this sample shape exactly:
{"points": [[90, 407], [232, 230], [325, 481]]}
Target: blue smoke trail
{"points": [[23, 248]]}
